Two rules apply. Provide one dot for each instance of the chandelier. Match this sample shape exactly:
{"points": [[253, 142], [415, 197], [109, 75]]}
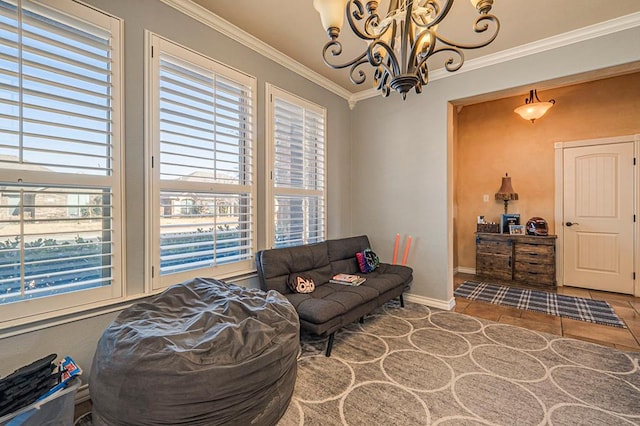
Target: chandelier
{"points": [[399, 42]]}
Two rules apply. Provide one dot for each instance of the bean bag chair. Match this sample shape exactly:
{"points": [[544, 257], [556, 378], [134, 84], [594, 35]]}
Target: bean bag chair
{"points": [[201, 353]]}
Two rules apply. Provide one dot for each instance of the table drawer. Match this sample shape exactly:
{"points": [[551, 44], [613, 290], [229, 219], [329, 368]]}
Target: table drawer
{"points": [[536, 253], [494, 247], [534, 267], [532, 277]]}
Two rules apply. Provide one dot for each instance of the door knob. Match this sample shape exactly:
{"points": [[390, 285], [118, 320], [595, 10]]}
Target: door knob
{"points": [[572, 223]]}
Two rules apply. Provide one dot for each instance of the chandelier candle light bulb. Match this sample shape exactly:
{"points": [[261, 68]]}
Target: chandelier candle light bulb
{"points": [[399, 42]]}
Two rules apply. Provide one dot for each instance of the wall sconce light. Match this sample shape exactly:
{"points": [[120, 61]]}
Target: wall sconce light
{"points": [[506, 192], [532, 110]]}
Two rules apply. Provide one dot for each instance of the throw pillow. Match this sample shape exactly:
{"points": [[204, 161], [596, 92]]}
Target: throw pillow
{"points": [[368, 261], [299, 283]]}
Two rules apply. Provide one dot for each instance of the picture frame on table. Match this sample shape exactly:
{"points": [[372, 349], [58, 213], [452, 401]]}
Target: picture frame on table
{"points": [[516, 229], [508, 219]]}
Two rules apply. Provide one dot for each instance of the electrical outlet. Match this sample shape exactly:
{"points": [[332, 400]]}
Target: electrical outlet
{"points": [[485, 198]]}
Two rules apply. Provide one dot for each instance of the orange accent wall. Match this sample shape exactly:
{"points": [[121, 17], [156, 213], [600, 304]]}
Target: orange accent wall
{"points": [[493, 140]]}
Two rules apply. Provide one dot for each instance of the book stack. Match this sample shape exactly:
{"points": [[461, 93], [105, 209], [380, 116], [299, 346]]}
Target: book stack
{"points": [[347, 279]]}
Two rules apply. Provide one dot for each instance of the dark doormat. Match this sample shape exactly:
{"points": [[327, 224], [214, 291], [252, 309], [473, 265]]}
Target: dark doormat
{"points": [[579, 308]]}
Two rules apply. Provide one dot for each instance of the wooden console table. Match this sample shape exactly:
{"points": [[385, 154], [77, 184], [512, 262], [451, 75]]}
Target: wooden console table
{"points": [[517, 258]]}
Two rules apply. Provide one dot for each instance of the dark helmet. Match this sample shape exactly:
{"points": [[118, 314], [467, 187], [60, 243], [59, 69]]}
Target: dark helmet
{"points": [[537, 226]]}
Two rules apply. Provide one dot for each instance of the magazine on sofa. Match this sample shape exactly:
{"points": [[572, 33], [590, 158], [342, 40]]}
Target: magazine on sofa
{"points": [[347, 279]]}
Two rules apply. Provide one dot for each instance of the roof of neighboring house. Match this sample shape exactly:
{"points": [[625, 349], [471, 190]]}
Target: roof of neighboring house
{"points": [[218, 177], [13, 162]]}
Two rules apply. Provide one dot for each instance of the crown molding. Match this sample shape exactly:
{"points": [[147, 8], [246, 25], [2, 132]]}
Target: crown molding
{"points": [[571, 37], [226, 28]]}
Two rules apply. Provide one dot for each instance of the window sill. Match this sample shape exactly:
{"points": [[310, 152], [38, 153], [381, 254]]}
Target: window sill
{"points": [[84, 312]]}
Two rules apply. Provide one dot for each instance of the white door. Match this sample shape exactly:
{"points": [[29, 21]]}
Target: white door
{"points": [[598, 217]]}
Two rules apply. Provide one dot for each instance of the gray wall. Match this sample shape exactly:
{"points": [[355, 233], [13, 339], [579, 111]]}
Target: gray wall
{"points": [[78, 338], [402, 173]]}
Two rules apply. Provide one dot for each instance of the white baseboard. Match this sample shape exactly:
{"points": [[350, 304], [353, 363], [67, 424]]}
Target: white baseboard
{"points": [[434, 303], [464, 270]]}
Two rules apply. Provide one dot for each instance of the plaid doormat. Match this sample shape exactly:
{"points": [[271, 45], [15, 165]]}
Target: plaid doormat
{"points": [[590, 310]]}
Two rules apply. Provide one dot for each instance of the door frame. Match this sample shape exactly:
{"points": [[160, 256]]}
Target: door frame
{"points": [[559, 200]]}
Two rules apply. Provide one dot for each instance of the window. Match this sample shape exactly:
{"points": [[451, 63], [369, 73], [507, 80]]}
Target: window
{"points": [[296, 134], [203, 196], [60, 224]]}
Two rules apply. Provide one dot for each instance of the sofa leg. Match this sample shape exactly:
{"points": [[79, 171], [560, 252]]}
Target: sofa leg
{"points": [[402, 300], [330, 344]]}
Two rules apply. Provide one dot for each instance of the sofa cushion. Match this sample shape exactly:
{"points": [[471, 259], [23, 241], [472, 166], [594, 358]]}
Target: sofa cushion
{"points": [[346, 248], [342, 253], [404, 272], [388, 277], [275, 265], [330, 301]]}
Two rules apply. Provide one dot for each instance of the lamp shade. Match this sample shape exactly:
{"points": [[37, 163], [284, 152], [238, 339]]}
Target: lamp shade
{"points": [[506, 191], [533, 111], [331, 12]]}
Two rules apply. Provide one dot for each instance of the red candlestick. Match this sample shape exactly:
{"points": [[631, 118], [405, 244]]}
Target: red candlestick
{"points": [[406, 251], [395, 250]]}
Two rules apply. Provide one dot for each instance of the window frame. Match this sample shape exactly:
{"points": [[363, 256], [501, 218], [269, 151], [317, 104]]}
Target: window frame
{"points": [[43, 308], [154, 280], [273, 92]]}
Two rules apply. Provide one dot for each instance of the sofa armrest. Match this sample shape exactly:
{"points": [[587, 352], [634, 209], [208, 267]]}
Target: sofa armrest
{"points": [[405, 272]]}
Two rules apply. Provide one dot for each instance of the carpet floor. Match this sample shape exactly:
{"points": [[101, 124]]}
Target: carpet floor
{"points": [[421, 366], [579, 308]]}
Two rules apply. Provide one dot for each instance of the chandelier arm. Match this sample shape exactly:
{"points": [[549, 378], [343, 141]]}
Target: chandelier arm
{"points": [[336, 50], [376, 59], [440, 13], [381, 78], [361, 76], [478, 28], [450, 64], [423, 72], [533, 93], [358, 15], [413, 56]]}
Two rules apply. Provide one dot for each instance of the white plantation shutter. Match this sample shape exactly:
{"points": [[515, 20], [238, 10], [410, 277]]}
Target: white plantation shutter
{"points": [[59, 155], [297, 135], [204, 186], [56, 86]]}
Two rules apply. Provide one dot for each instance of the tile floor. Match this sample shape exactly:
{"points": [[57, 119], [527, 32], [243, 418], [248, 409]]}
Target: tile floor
{"points": [[626, 307]]}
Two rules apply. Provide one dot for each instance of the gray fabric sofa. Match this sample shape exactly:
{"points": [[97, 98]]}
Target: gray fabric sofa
{"points": [[331, 306]]}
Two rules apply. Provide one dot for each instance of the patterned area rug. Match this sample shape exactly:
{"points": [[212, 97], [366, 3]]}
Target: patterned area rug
{"points": [[589, 310], [421, 366]]}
